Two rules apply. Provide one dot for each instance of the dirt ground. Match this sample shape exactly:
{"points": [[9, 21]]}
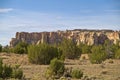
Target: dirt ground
{"points": [[108, 70]]}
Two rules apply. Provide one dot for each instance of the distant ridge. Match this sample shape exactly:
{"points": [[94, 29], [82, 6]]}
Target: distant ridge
{"points": [[84, 36]]}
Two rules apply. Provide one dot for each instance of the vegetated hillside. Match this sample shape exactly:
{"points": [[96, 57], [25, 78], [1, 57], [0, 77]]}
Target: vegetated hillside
{"points": [[108, 70], [88, 37], [75, 54]]}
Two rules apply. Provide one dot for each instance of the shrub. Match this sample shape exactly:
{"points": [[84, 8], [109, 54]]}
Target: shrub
{"points": [[6, 71], [48, 74], [0, 47], [42, 53], [70, 50], [17, 73], [98, 54], [77, 74], [7, 49], [1, 67], [61, 56], [56, 69], [86, 49], [21, 48], [97, 57], [117, 54]]}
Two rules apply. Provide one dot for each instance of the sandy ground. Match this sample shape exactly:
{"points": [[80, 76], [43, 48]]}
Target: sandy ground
{"points": [[104, 71]]}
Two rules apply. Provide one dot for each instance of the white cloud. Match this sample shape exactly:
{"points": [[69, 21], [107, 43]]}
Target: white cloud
{"points": [[5, 10], [37, 21]]}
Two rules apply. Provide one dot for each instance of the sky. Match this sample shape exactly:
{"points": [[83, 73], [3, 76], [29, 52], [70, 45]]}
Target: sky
{"points": [[53, 15]]}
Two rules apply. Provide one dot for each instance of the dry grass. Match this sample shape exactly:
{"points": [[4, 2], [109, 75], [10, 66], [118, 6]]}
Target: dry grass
{"points": [[104, 71]]}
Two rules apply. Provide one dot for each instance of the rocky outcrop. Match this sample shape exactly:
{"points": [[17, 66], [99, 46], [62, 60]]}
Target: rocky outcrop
{"points": [[88, 37]]}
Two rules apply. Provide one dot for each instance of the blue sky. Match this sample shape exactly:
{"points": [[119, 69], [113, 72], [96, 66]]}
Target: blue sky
{"points": [[53, 15]]}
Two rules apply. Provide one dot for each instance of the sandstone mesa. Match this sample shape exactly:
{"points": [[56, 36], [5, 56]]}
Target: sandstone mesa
{"points": [[84, 36]]}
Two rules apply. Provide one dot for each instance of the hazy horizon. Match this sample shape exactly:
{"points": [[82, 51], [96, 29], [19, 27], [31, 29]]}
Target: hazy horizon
{"points": [[53, 15]]}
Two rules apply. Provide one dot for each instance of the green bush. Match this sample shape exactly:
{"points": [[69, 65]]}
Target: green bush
{"points": [[86, 49], [70, 50], [6, 71], [97, 58], [1, 67], [98, 54], [117, 54], [61, 56], [42, 53], [17, 73], [56, 68], [48, 74], [7, 49], [77, 74], [21, 48], [0, 48]]}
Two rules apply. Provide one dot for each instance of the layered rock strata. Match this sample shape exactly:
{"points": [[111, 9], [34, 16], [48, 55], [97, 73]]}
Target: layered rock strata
{"points": [[88, 37]]}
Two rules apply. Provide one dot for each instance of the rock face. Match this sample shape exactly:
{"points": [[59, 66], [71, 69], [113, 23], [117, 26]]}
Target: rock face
{"points": [[88, 37]]}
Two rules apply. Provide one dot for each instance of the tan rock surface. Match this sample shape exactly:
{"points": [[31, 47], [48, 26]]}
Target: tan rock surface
{"points": [[89, 37]]}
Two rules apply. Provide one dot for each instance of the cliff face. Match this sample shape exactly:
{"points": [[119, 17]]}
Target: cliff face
{"points": [[88, 37]]}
